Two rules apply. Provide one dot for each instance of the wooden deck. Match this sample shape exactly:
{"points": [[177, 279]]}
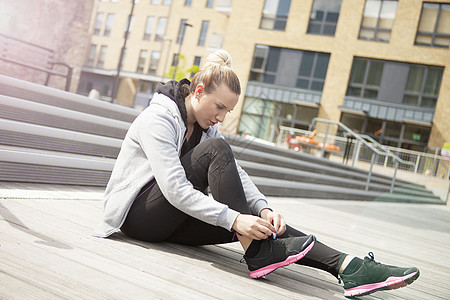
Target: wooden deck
{"points": [[47, 252]]}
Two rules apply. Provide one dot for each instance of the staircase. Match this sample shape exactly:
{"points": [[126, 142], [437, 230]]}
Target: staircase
{"points": [[287, 173], [57, 137]]}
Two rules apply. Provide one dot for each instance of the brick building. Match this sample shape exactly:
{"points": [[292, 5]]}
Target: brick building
{"points": [[375, 65]]}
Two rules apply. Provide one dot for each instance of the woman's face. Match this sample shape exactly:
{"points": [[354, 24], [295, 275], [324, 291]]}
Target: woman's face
{"points": [[209, 109]]}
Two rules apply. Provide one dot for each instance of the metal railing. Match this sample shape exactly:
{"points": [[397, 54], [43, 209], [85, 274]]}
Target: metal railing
{"points": [[430, 164], [375, 147]]}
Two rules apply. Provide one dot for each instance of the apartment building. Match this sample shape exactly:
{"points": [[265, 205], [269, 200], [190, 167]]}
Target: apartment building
{"points": [[380, 67]]}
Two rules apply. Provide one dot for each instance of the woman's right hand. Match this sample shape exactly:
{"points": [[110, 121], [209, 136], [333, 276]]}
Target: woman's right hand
{"points": [[253, 227]]}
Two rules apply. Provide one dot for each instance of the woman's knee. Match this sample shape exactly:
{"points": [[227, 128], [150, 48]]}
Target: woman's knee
{"points": [[220, 145]]}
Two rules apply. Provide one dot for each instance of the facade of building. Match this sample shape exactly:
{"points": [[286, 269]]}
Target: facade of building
{"points": [[380, 67], [59, 26]]}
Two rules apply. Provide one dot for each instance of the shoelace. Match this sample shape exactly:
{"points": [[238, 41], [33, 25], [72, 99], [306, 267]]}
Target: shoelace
{"points": [[371, 258]]}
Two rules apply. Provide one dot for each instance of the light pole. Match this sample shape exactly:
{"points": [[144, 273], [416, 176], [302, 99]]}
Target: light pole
{"points": [[167, 55], [183, 30], [122, 51]]}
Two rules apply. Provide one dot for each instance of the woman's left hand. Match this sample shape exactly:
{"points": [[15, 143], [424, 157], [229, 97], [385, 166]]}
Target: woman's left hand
{"points": [[276, 219]]}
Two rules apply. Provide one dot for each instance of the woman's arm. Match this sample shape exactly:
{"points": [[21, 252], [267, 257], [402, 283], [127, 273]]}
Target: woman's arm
{"points": [[159, 136]]}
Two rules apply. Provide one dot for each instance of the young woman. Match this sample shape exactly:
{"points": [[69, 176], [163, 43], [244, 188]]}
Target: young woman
{"points": [[174, 151]]}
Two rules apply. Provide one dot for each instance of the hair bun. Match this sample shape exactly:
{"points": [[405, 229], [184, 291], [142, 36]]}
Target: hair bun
{"points": [[219, 57]]}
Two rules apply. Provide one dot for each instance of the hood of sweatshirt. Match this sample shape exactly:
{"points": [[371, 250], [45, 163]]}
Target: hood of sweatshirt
{"points": [[177, 91]]}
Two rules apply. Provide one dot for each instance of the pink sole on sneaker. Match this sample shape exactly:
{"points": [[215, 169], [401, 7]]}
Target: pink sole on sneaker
{"points": [[390, 283], [290, 260]]}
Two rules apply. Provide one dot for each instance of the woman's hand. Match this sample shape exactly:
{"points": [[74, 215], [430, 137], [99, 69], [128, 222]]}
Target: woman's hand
{"points": [[253, 227], [276, 219]]}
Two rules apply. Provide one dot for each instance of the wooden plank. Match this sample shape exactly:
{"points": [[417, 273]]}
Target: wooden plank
{"points": [[359, 227], [46, 245], [187, 268]]}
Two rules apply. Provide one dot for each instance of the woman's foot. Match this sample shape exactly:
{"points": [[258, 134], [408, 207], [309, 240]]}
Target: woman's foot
{"points": [[363, 277], [265, 256]]}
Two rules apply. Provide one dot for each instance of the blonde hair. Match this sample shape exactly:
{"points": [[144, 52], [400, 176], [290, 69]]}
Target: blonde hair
{"points": [[217, 70]]}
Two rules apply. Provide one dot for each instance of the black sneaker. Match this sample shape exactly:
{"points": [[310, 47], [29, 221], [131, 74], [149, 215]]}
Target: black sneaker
{"points": [[368, 276], [277, 253]]}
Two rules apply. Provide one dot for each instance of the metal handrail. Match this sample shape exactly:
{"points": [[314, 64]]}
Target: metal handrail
{"points": [[369, 145], [372, 140]]}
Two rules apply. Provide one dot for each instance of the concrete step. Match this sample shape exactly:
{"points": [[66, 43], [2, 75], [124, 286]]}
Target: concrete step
{"points": [[20, 164], [274, 172], [407, 190], [286, 188], [299, 172], [57, 98], [269, 148], [314, 167]]}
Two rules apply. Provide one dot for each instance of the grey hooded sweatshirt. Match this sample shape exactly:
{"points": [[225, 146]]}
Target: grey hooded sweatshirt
{"points": [[151, 149]]}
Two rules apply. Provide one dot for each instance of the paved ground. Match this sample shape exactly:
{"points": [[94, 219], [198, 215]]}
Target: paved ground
{"points": [[47, 252]]}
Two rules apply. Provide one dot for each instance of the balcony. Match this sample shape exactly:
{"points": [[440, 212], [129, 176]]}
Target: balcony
{"points": [[283, 94], [388, 111]]}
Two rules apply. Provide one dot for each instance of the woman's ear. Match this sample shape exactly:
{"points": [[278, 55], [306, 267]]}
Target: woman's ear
{"points": [[199, 90]]}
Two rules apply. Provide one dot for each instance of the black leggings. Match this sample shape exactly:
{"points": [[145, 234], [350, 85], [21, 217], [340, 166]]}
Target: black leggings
{"points": [[210, 164]]}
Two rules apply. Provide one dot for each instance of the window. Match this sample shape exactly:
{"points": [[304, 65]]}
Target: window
{"points": [[149, 28], [422, 86], [209, 3], [181, 31], [260, 57], [365, 78], [265, 64], [197, 62], [395, 82], [256, 117], [275, 14], [155, 2], [130, 28], [312, 71], [89, 86], [434, 26], [91, 57], [203, 32], [259, 62], [109, 24], [289, 67], [175, 60], [261, 117], [101, 57], [160, 29], [167, 2], [154, 62], [324, 17], [378, 19], [141, 61], [106, 90], [98, 23], [187, 2]]}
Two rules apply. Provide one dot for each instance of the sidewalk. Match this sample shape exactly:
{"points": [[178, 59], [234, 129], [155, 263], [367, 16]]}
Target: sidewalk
{"points": [[47, 251]]}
